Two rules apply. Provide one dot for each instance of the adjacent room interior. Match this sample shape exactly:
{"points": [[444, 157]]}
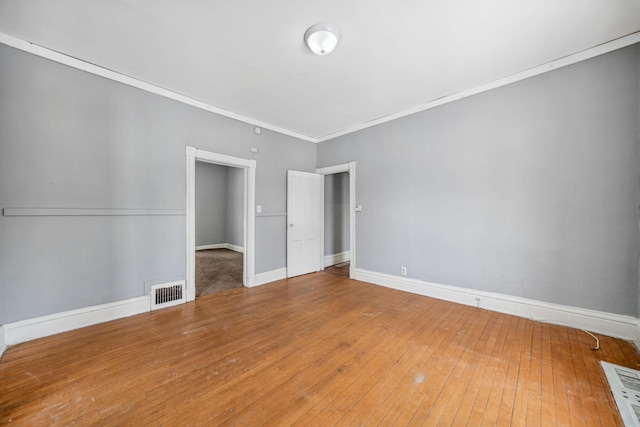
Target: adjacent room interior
{"points": [[337, 253], [427, 212], [219, 228]]}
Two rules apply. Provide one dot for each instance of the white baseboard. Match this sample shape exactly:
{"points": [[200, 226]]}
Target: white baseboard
{"points": [[235, 248], [216, 246], [616, 325], [30, 329], [337, 258], [3, 344], [221, 246], [270, 276]]}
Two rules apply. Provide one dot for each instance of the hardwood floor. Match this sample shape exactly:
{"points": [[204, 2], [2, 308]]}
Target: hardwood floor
{"points": [[339, 269], [314, 350]]}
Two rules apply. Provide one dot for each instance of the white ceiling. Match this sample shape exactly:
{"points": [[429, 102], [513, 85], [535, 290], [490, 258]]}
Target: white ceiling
{"points": [[248, 56]]}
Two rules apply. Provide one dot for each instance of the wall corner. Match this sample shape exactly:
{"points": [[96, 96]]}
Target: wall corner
{"points": [[3, 341]]}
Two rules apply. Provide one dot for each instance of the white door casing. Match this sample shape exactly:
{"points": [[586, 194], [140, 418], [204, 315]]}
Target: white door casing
{"points": [[304, 206], [249, 166]]}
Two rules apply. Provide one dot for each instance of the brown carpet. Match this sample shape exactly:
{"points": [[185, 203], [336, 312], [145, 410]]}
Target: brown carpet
{"points": [[217, 270]]}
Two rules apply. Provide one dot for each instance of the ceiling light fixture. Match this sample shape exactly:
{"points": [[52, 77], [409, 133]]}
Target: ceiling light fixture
{"points": [[322, 38]]}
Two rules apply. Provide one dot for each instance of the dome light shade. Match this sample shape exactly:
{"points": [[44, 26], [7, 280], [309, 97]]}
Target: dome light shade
{"points": [[322, 38]]}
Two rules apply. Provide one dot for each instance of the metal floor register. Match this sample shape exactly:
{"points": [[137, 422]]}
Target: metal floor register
{"points": [[625, 387]]}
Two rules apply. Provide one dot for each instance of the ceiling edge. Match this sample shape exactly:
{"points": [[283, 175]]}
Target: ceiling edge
{"points": [[70, 61], [131, 81], [583, 55]]}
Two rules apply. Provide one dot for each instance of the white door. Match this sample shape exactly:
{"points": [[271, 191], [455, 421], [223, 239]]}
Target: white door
{"points": [[304, 202]]}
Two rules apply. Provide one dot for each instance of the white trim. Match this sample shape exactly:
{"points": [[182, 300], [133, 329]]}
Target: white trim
{"points": [[250, 224], [351, 169], [191, 222], [44, 326], [352, 215], [3, 344], [322, 208], [140, 84], [61, 58], [207, 247], [584, 55], [192, 155], [330, 170], [229, 246], [90, 212], [234, 248], [615, 325], [221, 159], [270, 276], [334, 259]]}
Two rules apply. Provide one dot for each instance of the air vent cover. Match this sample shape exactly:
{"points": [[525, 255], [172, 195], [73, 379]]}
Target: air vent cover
{"points": [[625, 387], [167, 295]]}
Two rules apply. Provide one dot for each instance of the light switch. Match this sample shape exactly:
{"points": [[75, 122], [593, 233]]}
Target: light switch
{"points": [[358, 208], [259, 208]]}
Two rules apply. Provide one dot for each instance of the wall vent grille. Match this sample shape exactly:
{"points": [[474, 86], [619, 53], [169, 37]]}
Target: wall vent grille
{"points": [[625, 387], [167, 295]]}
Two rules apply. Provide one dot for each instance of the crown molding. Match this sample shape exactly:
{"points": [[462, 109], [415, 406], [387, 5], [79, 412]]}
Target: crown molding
{"points": [[88, 67], [589, 53], [61, 58]]}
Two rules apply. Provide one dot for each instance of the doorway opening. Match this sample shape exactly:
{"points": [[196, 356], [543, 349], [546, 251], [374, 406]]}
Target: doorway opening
{"points": [[337, 256], [338, 219], [242, 173], [219, 226]]}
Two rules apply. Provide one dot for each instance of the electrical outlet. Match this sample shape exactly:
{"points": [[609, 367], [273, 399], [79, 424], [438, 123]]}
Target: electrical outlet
{"points": [[403, 271]]}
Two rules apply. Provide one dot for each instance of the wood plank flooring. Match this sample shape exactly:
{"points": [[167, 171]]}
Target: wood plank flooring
{"points": [[315, 350]]}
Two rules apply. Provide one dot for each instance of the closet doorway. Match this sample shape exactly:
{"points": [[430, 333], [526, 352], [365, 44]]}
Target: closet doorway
{"points": [[337, 255], [246, 173], [338, 218], [219, 233]]}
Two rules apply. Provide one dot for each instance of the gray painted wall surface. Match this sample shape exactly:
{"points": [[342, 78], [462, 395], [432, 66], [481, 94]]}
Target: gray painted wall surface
{"points": [[528, 190], [234, 229], [211, 202], [219, 204], [73, 140], [336, 213]]}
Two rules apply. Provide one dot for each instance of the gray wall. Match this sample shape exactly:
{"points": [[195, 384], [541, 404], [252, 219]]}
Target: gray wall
{"points": [[336, 213], [234, 229], [211, 202], [528, 190], [219, 204], [69, 139]]}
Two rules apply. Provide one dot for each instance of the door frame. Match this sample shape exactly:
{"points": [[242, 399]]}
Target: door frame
{"points": [[192, 155], [329, 170]]}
